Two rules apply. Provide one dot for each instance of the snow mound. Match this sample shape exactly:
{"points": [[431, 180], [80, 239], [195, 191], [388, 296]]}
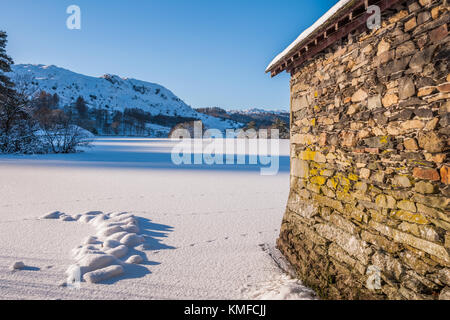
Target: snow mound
{"points": [[103, 274], [118, 252], [19, 265], [135, 260], [51, 215], [99, 257]]}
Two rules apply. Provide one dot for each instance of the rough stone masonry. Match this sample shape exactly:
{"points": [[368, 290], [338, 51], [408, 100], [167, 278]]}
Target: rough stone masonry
{"points": [[370, 161]]}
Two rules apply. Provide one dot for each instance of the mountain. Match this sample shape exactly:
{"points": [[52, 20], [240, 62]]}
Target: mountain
{"points": [[260, 118], [112, 94], [258, 111]]}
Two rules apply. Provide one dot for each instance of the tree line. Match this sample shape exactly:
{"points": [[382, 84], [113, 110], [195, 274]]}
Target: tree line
{"points": [[33, 125]]}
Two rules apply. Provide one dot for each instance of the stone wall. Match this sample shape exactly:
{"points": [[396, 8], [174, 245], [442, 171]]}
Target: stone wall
{"points": [[370, 161]]}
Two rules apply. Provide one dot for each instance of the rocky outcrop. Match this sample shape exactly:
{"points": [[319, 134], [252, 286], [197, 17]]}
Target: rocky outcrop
{"points": [[368, 213]]}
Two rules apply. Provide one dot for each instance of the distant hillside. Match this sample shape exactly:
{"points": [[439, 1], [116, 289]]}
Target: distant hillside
{"points": [[114, 105], [254, 118]]}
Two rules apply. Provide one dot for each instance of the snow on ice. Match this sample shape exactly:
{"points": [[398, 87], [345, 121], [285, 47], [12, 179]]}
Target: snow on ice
{"points": [[143, 226]]}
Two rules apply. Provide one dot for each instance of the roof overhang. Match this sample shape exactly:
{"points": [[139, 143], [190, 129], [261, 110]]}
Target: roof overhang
{"points": [[343, 18]]}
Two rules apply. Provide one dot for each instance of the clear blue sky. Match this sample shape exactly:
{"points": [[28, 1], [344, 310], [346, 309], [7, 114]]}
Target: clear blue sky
{"points": [[208, 52]]}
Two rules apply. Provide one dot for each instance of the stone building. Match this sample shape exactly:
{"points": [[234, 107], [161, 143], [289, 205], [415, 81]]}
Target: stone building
{"points": [[368, 212]]}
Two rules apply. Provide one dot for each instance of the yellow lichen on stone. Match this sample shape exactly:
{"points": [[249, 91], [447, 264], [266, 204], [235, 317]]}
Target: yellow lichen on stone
{"points": [[377, 216], [317, 165], [353, 177], [416, 162], [383, 139], [333, 183], [410, 217], [318, 180], [326, 173], [381, 201], [308, 155], [344, 195], [344, 182]]}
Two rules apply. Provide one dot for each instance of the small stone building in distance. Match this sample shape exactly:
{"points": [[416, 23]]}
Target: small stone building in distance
{"points": [[368, 212]]}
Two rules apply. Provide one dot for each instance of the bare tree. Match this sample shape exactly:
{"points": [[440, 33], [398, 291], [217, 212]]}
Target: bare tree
{"points": [[59, 133]]}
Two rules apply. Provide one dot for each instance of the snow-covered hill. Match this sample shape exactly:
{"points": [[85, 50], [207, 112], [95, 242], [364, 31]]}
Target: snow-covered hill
{"points": [[109, 92], [258, 111]]}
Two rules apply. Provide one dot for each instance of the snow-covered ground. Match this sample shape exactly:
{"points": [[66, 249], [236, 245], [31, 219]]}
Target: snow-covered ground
{"points": [[209, 231]]}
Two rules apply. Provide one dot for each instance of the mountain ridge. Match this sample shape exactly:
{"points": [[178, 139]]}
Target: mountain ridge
{"points": [[109, 92]]}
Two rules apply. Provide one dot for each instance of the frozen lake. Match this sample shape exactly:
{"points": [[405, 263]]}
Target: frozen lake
{"points": [[210, 228]]}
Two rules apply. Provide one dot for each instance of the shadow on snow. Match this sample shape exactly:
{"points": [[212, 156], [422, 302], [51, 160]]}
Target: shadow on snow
{"points": [[154, 234]]}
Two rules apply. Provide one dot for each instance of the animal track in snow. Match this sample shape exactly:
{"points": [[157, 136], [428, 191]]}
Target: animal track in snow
{"points": [[99, 257], [231, 195]]}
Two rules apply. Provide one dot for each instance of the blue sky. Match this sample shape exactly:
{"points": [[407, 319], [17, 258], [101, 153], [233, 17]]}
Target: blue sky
{"points": [[208, 52]]}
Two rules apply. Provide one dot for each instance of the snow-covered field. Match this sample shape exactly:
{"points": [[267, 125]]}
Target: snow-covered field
{"points": [[209, 231]]}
